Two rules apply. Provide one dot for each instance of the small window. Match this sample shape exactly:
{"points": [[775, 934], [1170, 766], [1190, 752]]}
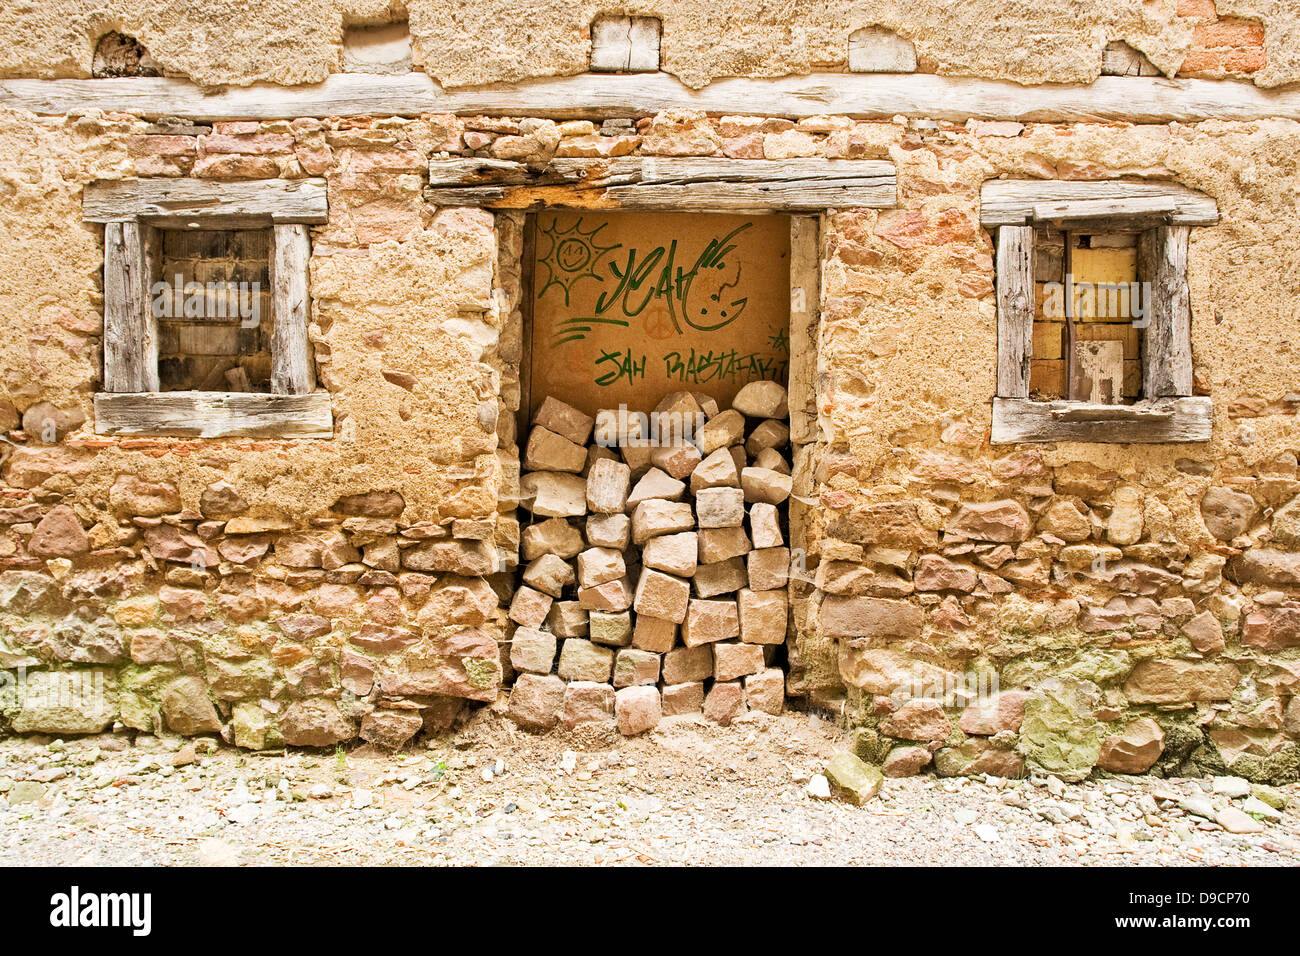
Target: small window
{"points": [[1094, 314], [207, 309]]}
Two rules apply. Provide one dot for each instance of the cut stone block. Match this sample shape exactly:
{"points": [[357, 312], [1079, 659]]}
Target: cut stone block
{"points": [[662, 595], [720, 507], [763, 399], [599, 566], [771, 458], [610, 628], [721, 431], [736, 660], [547, 451], [675, 553], [532, 651], [656, 483], [766, 436], [710, 620], [765, 525], [634, 667], [637, 709], [609, 531], [685, 698], [529, 607], [549, 574], [769, 568], [536, 701], [654, 634], [764, 484], [552, 536], [567, 619], [564, 420], [721, 577], [553, 494], [724, 703], [637, 457], [655, 517], [582, 660], [718, 470], [677, 460], [763, 616], [765, 691], [610, 596], [607, 484], [686, 664], [719, 544], [587, 702]]}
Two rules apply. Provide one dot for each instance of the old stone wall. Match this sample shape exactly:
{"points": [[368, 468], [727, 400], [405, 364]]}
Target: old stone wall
{"points": [[300, 41], [1136, 604]]}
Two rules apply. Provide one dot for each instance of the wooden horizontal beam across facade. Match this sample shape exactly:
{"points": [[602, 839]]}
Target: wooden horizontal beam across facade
{"points": [[658, 183], [1133, 99]]}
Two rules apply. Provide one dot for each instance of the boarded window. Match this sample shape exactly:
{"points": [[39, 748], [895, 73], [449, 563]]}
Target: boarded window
{"points": [[212, 300], [628, 307]]}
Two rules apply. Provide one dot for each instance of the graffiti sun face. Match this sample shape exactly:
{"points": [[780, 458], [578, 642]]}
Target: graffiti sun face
{"points": [[570, 254]]}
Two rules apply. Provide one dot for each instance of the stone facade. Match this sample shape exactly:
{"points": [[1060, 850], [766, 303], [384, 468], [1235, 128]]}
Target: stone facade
{"points": [[1138, 607]]}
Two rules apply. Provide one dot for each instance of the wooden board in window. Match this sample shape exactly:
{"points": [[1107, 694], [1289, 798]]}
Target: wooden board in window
{"points": [[628, 307]]}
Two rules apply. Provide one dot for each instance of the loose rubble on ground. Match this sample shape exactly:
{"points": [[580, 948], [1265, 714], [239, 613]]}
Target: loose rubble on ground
{"points": [[766, 790]]}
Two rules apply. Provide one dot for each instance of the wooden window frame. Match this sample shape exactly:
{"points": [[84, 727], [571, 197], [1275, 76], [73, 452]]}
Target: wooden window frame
{"points": [[1163, 214], [133, 213]]}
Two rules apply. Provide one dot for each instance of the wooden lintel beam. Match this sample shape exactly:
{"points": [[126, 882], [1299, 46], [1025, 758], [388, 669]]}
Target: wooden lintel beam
{"points": [[1133, 99]]}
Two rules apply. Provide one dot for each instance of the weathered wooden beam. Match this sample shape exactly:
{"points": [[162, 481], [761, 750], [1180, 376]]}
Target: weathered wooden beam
{"points": [[292, 371], [166, 201], [215, 415], [805, 327], [625, 44], [1015, 292], [1167, 338], [1101, 209], [597, 96], [653, 170], [1005, 202], [1156, 421], [130, 331], [754, 199], [650, 183]]}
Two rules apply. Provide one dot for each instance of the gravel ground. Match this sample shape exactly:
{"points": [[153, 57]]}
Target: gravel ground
{"points": [[690, 792]]}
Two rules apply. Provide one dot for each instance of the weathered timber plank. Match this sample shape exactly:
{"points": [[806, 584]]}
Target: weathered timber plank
{"points": [[745, 198], [649, 170], [805, 312], [598, 96], [215, 415], [625, 44], [268, 200], [1012, 201], [1157, 421], [1066, 211], [291, 355], [130, 331], [1015, 291], [1167, 339]]}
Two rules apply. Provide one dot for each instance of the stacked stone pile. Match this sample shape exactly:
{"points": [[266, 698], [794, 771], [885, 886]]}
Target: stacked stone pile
{"points": [[655, 564]]}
